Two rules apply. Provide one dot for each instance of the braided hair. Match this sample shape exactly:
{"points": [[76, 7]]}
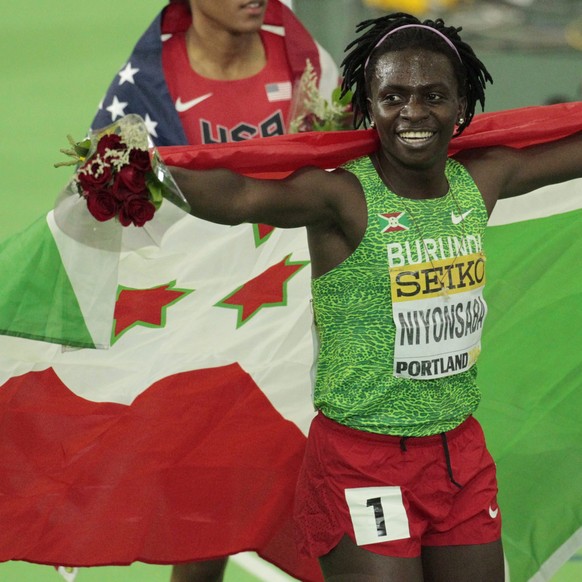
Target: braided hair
{"points": [[364, 53]]}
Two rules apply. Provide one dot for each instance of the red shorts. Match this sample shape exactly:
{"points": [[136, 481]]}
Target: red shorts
{"points": [[393, 495]]}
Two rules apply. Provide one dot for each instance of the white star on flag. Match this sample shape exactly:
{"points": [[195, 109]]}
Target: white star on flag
{"points": [[117, 108], [127, 74], [151, 125]]}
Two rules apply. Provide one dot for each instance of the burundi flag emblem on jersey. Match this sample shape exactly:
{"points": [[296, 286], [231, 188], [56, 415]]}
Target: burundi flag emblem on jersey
{"points": [[393, 221]]}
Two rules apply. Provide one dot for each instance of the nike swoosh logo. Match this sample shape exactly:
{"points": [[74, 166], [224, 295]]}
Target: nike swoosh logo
{"points": [[493, 512], [182, 106], [458, 219]]}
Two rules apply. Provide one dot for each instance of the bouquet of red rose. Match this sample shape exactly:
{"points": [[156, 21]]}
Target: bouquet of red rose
{"points": [[117, 176], [114, 181]]}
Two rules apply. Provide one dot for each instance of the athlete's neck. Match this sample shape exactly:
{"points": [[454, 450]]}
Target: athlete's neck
{"points": [[410, 182], [225, 56]]}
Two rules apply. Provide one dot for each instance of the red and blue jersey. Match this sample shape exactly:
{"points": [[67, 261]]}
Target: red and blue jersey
{"points": [[213, 111]]}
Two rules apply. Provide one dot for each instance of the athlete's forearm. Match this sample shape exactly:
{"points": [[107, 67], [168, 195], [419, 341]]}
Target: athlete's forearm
{"points": [[213, 195]]}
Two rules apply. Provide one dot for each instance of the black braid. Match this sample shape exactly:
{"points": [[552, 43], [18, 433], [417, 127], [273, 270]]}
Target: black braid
{"points": [[470, 72]]}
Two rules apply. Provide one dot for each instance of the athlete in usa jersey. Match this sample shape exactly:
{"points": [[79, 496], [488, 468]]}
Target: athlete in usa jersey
{"points": [[153, 85], [215, 110]]}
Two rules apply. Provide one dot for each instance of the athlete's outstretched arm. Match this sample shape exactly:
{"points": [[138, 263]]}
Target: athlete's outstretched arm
{"points": [[502, 172], [304, 198]]}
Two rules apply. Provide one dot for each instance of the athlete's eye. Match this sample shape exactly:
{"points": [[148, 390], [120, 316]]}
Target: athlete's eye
{"points": [[392, 99]]}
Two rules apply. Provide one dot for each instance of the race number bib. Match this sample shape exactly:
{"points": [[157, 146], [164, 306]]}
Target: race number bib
{"points": [[378, 514], [439, 311]]}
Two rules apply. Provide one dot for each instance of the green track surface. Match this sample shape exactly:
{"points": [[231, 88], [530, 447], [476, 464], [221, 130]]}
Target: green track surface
{"points": [[58, 57], [22, 572]]}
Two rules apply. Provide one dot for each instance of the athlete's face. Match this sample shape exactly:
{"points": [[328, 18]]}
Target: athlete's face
{"points": [[235, 16], [414, 101]]}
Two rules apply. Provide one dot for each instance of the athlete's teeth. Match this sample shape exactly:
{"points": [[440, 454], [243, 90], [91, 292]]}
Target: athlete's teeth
{"points": [[416, 134]]}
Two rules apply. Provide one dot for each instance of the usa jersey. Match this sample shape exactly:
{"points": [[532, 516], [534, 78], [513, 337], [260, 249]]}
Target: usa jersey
{"points": [[213, 111]]}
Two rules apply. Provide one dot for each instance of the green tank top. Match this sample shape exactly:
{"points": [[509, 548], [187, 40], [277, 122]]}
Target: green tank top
{"points": [[399, 321]]}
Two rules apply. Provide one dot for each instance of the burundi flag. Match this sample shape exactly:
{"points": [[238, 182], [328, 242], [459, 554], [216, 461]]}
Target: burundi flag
{"points": [[179, 442], [393, 221], [182, 440]]}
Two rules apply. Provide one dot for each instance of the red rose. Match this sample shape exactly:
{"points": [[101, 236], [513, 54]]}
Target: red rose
{"points": [[111, 141], [136, 209], [129, 178], [94, 174], [103, 205], [140, 159]]}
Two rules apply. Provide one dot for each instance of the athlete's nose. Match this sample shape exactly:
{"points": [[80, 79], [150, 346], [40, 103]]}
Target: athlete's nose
{"points": [[414, 109]]}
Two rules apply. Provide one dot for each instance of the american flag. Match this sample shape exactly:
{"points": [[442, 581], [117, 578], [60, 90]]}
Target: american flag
{"points": [[278, 91]]}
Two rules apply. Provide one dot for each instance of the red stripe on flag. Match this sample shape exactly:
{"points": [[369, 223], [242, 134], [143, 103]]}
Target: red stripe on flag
{"points": [[161, 480]]}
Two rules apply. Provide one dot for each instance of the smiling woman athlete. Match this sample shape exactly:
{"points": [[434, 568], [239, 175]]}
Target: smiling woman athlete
{"points": [[397, 484]]}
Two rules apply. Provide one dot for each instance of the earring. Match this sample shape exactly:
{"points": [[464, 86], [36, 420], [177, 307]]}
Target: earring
{"points": [[461, 121], [373, 124]]}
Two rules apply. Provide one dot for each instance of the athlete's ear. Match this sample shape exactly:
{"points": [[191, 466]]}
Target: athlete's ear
{"points": [[370, 116], [462, 111]]}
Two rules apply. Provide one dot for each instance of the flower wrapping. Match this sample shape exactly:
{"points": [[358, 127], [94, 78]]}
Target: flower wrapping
{"points": [[119, 180]]}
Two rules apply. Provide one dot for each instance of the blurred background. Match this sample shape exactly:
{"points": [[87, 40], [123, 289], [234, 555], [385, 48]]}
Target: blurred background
{"points": [[58, 57], [531, 47]]}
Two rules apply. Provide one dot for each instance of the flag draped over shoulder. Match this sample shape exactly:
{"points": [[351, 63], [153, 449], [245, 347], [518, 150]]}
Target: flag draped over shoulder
{"points": [[182, 440], [513, 128]]}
